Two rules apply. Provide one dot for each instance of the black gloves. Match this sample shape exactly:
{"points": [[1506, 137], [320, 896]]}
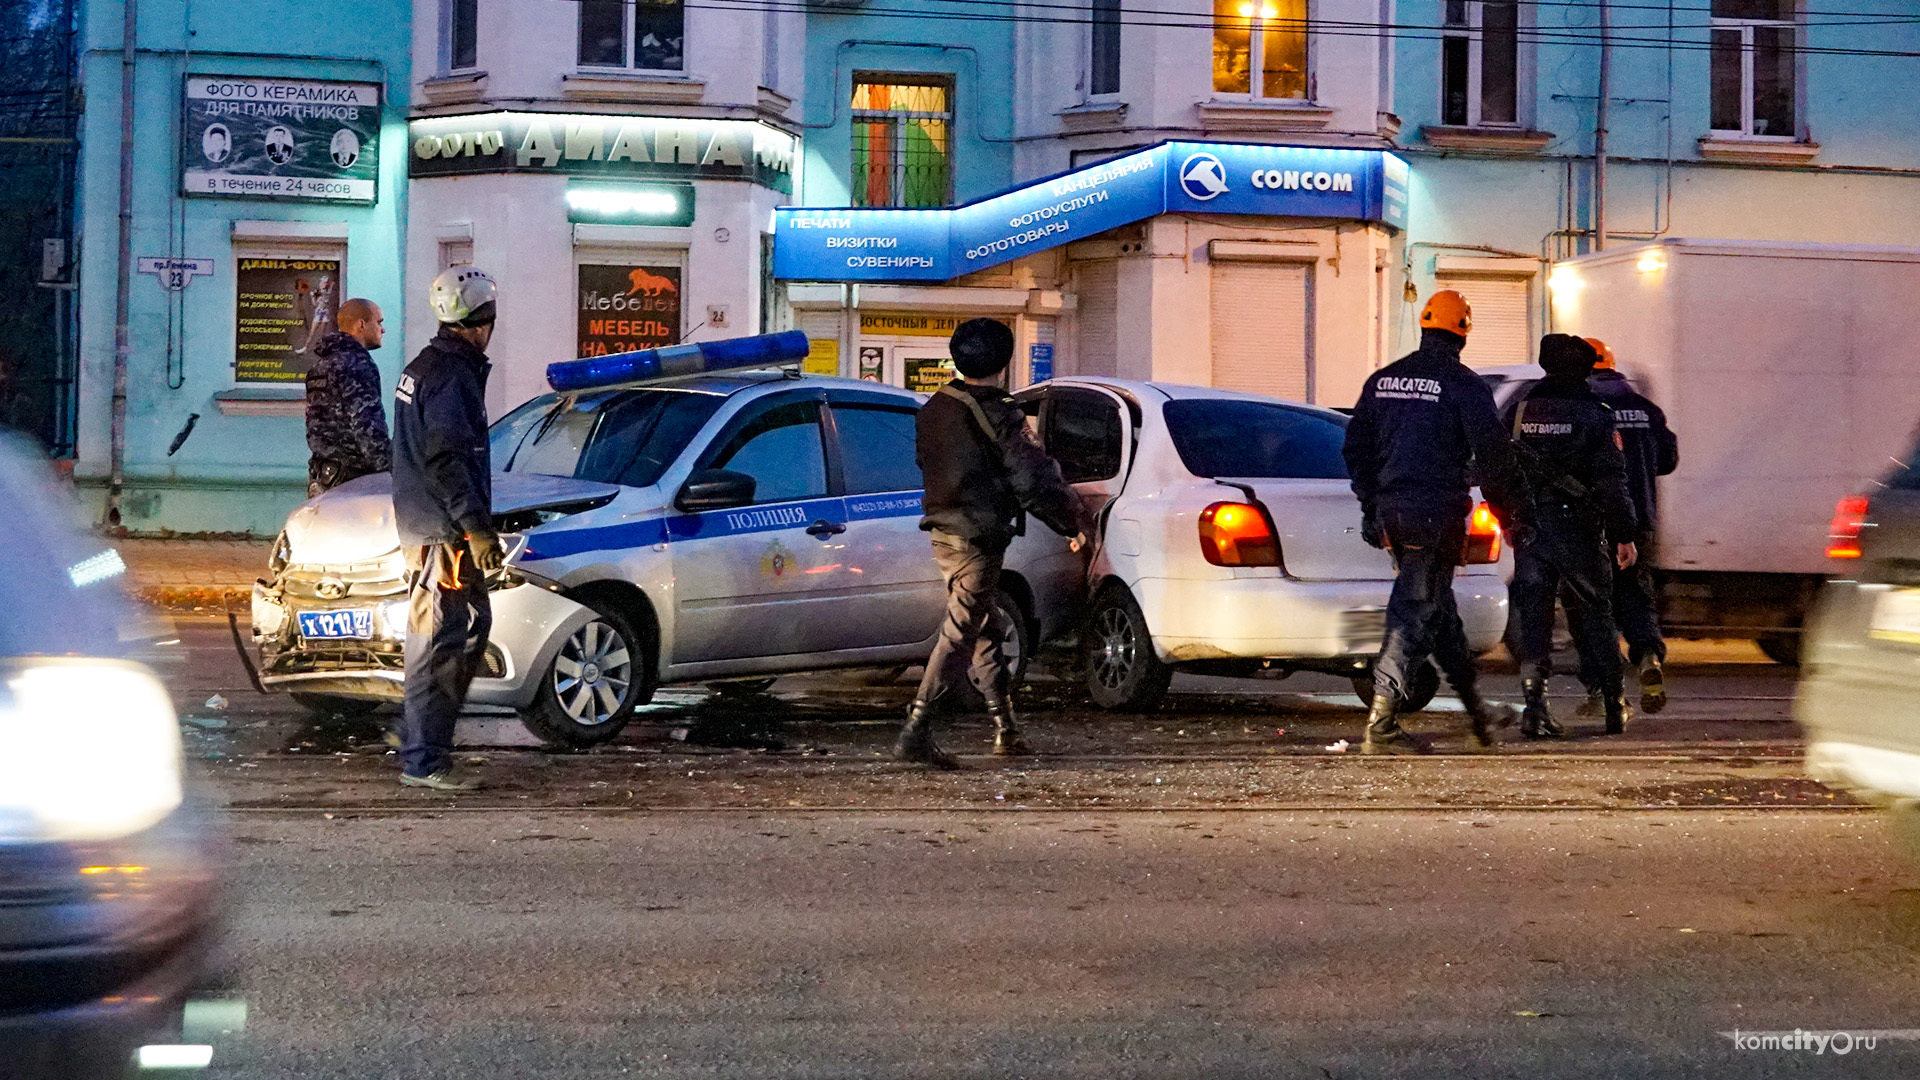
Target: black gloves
{"points": [[488, 553], [1371, 532]]}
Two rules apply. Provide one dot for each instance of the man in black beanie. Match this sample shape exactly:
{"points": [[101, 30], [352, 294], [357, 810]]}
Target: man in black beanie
{"points": [[981, 468], [1584, 526]]}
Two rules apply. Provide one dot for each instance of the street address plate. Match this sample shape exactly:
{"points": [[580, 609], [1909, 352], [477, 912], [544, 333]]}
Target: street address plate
{"points": [[355, 625], [1896, 617]]}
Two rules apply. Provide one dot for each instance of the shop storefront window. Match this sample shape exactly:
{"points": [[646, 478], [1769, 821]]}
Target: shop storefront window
{"points": [[1268, 36], [624, 307], [644, 34], [902, 149], [1753, 72], [284, 306]]}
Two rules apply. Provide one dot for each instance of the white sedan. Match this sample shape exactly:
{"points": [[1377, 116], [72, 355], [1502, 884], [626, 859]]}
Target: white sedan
{"points": [[1230, 539]]}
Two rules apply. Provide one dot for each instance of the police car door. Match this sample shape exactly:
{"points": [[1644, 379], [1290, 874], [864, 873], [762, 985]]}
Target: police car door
{"points": [[770, 578], [902, 593]]}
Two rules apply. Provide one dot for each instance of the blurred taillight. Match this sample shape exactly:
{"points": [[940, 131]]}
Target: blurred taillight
{"points": [[1483, 536], [1238, 534], [1843, 536]]}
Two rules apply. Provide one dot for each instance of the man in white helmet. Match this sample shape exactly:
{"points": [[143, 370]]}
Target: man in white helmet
{"points": [[442, 504]]}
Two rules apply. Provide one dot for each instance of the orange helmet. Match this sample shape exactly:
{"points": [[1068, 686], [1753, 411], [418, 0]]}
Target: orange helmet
{"points": [[1447, 310], [1605, 351]]}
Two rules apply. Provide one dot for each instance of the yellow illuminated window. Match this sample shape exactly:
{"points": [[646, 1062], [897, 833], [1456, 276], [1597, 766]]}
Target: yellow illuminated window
{"points": [[902, 151], [1268, 36]]}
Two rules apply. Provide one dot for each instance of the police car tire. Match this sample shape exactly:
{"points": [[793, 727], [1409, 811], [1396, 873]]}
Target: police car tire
{"points": [[1782, 649], [334, 705], [1426, 683], [1135, 680], [1021, 656], [547, 719]]}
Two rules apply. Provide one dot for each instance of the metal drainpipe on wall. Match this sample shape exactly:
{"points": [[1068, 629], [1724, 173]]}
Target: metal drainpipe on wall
{"points": [[1600, 111], [123, 284]]}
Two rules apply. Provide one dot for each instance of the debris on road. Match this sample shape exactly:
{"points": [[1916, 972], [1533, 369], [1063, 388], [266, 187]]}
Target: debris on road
{"points": [[1339, 747], [217, 703]]}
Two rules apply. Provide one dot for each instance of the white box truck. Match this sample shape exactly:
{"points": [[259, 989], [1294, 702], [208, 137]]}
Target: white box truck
{"points": [[1790, 373]]}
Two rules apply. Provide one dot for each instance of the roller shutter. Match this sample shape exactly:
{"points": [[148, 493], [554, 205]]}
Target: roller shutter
{"points": [[1096, 337], [1261, 318], [1502, 331]]}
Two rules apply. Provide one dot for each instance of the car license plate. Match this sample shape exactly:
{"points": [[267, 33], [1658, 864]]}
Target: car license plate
{"points": [[351, 625], [1896, 617]]}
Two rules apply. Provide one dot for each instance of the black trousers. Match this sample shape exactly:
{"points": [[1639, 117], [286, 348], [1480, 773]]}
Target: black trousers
{"points": [[970, 646], [1422, 619], [448, 619], [1636, 613], [1567, 553]]}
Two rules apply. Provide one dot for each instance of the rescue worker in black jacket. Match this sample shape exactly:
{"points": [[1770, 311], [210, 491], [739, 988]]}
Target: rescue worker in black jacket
{"points": [[1652, 451], [1584, 526], [981, 468], [442, 504], [1423, 427], [346, 425]]}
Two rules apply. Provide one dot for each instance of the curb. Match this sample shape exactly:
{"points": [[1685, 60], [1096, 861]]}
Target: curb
{"points": [[196, 597]]}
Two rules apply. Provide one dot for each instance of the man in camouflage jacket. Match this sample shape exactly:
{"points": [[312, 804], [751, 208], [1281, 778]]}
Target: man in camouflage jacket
{"points": [[346, 426]]}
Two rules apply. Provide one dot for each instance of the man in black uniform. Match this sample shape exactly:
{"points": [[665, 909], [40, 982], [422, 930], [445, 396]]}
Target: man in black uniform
{"points": [[1421, 423], [981, 468], [1583, 527], [442, 503], [346, 425], [1652, 451]]}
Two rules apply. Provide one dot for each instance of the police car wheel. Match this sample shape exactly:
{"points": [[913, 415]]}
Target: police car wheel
{"points": [[589, 691], [328, 705], [1426, 683], [1123, 672]]}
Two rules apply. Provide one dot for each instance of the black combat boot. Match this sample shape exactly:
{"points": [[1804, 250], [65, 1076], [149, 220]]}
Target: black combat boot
{"points": [[1484, 715], [1653, 685], [916, 740], [1384, 733], [1618, 712], [1537, 721], [1006, 734]]}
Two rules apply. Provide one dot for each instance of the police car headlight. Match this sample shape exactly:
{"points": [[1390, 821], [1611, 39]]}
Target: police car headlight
{"points": [[89, 750], [394, 614]]}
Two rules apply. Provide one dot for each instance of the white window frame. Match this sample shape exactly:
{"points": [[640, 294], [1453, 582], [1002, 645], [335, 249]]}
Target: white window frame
{"points": [[448, 9], [1257, 60], [627, 44], [1746, 28], [1474, 35]]}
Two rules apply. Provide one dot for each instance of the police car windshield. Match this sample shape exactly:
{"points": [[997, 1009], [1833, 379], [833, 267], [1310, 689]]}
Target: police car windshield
{"points": [[1251, 439], [615, 437]]}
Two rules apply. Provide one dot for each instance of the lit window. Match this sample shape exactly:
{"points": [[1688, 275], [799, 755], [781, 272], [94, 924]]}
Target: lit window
{"points": [[1480, 63], [902, 147], [1753, 69], [644, 34], [1268, 36]]}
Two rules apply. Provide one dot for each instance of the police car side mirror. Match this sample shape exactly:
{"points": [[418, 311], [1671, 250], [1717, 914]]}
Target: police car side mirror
{"points": [[715, 489]]}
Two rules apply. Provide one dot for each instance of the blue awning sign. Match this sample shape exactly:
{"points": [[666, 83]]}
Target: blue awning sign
{"points": [[852, 244]]}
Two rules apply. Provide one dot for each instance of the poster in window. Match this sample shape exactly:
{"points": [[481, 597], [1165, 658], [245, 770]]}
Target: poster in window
{"points": [[873, 361], [927, 374], [624, 308], [284, 307]]}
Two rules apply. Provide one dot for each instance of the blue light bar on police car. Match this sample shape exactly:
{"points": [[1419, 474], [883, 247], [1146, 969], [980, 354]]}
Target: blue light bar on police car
{"points": [[619, 369]]}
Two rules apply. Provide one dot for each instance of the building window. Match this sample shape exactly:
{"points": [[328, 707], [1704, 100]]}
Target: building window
{"points": [[1480, 63], [1104, 78], [1753, 68], [643, 34], [463, 34], [1267, 36], [902, 146]]}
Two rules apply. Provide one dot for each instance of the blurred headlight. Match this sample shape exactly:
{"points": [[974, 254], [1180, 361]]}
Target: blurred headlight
{"points": [[394, 614], [89, 750], [269, 616]]}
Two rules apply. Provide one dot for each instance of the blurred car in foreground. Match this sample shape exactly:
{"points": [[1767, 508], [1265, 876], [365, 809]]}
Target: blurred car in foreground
{"points": [[1231, 540], [1859, 698], [108, 883], [703, 529]]}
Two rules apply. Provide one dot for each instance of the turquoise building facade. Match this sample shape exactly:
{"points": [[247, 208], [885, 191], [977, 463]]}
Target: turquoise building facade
{"points": [[287, 122]]}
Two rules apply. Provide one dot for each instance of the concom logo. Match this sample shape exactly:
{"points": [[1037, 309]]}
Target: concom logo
{"points": [[1202, 176]]}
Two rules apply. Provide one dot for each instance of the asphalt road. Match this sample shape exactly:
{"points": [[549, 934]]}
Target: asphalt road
{"points": [[751, 889]]}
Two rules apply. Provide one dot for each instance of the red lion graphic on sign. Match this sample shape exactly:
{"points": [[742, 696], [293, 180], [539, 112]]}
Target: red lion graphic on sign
{"points": [[649, 283]]}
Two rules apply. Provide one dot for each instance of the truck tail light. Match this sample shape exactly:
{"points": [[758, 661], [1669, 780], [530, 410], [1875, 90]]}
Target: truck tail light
{"points": [[1483, 536], [1843, 536], [1238, 534]]}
